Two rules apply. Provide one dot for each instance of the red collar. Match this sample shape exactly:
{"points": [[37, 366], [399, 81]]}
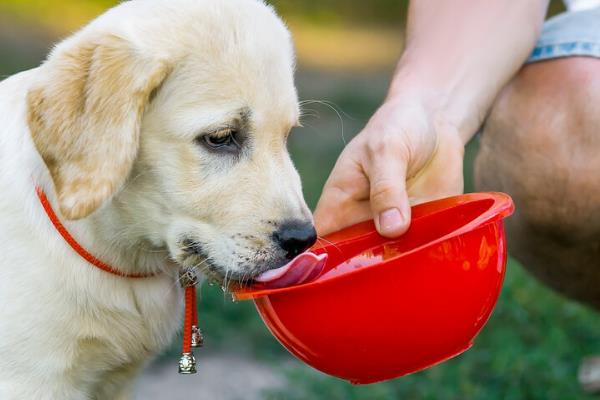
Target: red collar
{"points": [[192, 337], [76, 246]]}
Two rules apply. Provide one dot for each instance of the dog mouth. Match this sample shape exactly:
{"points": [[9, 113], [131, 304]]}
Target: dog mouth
{"points": [[303, 268]]}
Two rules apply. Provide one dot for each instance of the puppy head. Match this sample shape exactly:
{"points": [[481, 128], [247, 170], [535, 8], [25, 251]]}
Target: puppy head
{"points": [[174, 115]]}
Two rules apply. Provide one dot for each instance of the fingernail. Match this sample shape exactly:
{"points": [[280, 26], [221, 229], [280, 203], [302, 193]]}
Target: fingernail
{"points": [[391, 220]]}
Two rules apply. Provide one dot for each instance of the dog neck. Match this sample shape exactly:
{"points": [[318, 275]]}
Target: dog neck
{"points": [[136, 259], [74, 244], [116, 237]]}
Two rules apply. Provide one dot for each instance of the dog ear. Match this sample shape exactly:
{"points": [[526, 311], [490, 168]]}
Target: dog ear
{"points": [[85, 118]]}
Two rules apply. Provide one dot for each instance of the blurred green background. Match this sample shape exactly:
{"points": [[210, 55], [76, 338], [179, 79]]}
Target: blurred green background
{"points": [[535, 339]]}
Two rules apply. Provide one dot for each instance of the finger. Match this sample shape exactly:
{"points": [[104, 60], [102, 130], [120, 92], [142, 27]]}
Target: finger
{"points": [[389, 200], [345, 197], [337, 210]]}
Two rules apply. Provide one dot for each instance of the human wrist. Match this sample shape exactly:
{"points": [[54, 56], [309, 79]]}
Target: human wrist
{"points": [[449, 105], [427, 108]]}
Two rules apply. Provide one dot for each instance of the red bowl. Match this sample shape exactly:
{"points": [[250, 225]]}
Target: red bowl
{"points": [[385, 308]]}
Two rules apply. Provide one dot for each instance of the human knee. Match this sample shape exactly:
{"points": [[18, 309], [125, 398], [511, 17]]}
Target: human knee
{"points": [[541, 144]]}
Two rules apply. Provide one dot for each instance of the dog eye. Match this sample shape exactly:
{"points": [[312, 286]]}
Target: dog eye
{"points": [[224, 139]]}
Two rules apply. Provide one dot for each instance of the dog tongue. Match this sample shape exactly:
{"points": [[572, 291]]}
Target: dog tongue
{"points": [[303, 268]]}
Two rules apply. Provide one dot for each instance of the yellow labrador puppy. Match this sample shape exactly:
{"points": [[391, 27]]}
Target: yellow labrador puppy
{"points": [[158, 133]]}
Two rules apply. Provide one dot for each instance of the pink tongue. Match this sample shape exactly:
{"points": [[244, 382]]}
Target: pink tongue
{"points": [[303, 268]]}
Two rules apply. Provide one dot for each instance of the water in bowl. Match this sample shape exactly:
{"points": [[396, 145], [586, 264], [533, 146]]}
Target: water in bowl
{"points": [[365, 259]]}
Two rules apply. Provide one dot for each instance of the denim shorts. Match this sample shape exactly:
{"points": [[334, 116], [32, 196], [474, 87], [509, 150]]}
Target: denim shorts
{"points": [[573, 33]]}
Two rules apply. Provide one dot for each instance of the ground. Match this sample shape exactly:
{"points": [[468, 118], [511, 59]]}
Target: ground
{"points": [[220, 376]]}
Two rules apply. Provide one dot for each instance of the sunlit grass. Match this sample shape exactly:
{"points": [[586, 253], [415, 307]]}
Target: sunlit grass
{"points": [[58, 15], [319, 45]]}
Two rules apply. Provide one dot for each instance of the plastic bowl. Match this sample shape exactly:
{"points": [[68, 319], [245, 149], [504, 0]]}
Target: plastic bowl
{"points": [[386, 308]]}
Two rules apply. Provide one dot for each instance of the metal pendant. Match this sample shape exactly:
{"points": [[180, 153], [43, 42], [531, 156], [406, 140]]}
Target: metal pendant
{"points": [[187, 364], [197, 339]]}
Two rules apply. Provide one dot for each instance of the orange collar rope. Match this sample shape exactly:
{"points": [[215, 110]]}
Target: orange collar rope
{"points": [[192, 336]]}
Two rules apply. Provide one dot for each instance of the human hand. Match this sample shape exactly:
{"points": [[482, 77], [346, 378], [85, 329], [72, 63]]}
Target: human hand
{"points": [[446, 80], [406, 154]]}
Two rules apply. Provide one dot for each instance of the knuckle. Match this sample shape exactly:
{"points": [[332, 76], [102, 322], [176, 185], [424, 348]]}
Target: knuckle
{"points": [[376, 145], [386, 144]]}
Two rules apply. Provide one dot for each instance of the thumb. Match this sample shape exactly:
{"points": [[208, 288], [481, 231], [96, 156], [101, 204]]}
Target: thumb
{"points": [[388, 197]]}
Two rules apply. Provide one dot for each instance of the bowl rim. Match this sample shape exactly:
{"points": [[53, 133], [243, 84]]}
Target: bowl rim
{"points": [[501, 207]]}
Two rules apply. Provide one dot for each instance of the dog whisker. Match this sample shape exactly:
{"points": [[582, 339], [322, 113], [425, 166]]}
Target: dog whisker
{"points": [[332, 106], [320, 238]]}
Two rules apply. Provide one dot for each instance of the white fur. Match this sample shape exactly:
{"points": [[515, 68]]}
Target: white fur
{"points": [[70, 331]]}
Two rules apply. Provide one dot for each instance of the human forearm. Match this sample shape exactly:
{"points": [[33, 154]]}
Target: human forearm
{"points": [[460, 53]]}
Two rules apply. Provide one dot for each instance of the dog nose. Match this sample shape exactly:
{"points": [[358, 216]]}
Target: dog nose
{"points": [[295, 236]]}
